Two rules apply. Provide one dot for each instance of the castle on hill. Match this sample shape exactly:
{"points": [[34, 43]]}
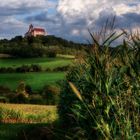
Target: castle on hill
{"points": [[35, 31]]}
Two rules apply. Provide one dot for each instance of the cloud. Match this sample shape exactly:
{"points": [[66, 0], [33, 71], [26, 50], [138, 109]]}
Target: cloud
{"points": [[80, 15], [69, 19], [14, 7]]}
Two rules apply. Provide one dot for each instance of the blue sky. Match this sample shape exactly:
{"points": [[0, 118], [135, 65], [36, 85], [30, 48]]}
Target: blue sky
{"points": [[69, 19]]}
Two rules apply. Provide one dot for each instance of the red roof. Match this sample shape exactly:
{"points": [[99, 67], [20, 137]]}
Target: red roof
{"points": [[39, 29]]}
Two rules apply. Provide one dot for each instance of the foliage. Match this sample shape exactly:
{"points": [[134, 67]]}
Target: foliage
{"points": [[33, 64], [63, 68], [51, 94], [33, 68], [101, 95], [21, 94], [36, 80], [4, 99], [36, 99], [38, 46]]}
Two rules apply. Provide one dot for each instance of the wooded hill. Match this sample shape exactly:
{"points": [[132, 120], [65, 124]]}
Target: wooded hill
{"points": [[38, 46]]}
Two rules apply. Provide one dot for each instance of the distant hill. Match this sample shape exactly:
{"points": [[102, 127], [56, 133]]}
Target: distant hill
{"points": [[49, 40], [39, 46]]}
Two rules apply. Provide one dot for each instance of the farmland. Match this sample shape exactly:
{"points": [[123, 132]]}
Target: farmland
{"points": [[43, 62], [29, 116], [98, 98], [31, 71], [21, 113], [36, 80]]}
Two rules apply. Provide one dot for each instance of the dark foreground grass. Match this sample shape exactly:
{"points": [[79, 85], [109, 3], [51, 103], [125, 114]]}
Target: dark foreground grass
{"points": [[11, 131], [36, 80]]}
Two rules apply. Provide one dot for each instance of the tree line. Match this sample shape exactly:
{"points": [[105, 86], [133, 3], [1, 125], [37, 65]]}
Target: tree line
{"points": [[38, 46]]}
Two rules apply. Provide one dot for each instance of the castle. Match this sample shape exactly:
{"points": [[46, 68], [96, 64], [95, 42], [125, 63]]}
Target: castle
{"points": [[35, 31]]}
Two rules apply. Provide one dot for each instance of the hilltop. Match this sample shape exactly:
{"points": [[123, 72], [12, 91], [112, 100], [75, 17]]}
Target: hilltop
{"points": [[39, 46]]}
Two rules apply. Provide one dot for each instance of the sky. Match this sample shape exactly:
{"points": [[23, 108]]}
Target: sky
{"points": [[69, 19]]}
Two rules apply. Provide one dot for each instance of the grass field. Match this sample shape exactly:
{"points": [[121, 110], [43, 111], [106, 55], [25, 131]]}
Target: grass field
{"points": [[26, 113], [32, 116], [43, 62], [15, 118], [36, 80], [10, 131]]}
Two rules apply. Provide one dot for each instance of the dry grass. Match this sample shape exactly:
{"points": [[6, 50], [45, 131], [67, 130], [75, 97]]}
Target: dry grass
{"points": [[28, 113]]}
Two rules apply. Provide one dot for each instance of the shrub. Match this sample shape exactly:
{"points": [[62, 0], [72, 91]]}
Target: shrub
{"points": [[63, 68], [35, 68], [21, 95], [4, 99], [10, 70], [36, 99], [20, 98], [28, 89], [51, 94], [11, 97], [51, 52], [7, 70], [48, 70], [4, 90], [23, 68]]}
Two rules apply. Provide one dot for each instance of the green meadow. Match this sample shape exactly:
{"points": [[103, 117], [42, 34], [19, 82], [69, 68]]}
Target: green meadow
{"points": [[43, 62], [36, 79]]}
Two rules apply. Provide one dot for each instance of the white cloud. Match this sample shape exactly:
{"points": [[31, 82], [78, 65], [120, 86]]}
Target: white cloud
{"points": [[70, 9], [124, 8], [91, 11], [67, 18], [22, 3]]}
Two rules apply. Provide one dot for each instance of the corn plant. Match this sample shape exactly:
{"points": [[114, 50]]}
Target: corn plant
{"points": [[106, 103]]}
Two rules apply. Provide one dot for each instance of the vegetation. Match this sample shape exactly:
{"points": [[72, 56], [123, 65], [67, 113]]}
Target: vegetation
{"points": [[20, 113], [38, 46], [13, 131], [46, 71], [51, 94], [35, 93], [44, 63], [100, 98], [17, 120], [36, 80]]}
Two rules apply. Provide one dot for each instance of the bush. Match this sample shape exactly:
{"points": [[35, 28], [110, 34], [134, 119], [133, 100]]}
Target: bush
{"points": [[28, 89], [48, 70], [63, 68], [4, 99], [51, 52], [51, 94], [20, 98], [36, 99], [35, 68], [4, 90], [7, 70], [11, 97], [21, 95], [23, 69]]}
